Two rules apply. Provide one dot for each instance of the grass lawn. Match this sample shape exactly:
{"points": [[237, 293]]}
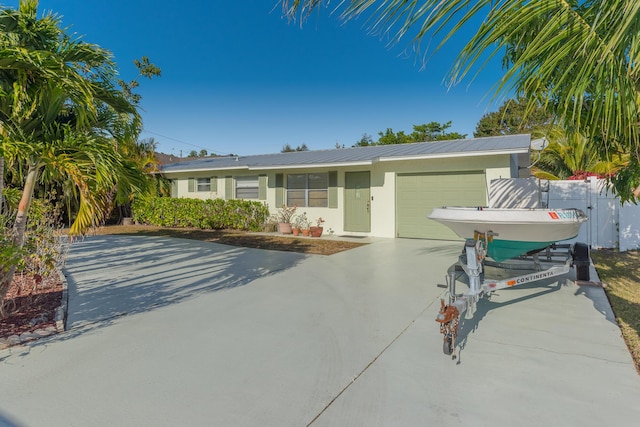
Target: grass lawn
{"points": [[621, 273]]}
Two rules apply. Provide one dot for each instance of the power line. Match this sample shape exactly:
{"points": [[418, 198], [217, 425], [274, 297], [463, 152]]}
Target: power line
{"points": [[186, 143]]}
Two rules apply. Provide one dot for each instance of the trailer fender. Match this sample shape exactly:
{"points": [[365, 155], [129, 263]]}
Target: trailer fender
{"points": [[582, 261]]}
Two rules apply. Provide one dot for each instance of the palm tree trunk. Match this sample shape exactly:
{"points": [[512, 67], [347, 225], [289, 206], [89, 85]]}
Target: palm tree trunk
{"points": [[1, 182], [19, 228], [20, 225], [3, 274]]}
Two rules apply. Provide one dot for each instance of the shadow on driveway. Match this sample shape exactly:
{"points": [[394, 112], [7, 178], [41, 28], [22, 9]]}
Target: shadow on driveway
{"points": [[110, 276]]}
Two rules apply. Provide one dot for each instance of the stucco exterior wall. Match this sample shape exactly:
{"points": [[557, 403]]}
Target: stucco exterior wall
{"points": [[383, 186]]}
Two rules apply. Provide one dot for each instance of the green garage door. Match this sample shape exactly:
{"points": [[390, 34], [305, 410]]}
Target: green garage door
{"points": [[418, 194]]}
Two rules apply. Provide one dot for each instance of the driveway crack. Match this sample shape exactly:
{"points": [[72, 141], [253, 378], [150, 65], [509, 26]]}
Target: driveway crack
{"points": [[547, 350], [374, 360]]}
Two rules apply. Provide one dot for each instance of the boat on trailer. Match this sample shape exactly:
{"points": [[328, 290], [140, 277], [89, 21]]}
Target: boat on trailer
{"points": [[510, 237], [512, 232]]}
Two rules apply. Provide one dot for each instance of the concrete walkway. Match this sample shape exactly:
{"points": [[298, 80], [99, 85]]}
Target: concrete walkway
{"points": [[166, 332]]}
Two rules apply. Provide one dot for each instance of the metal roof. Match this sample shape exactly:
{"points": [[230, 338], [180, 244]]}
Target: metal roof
{"points": [[508, 144]]}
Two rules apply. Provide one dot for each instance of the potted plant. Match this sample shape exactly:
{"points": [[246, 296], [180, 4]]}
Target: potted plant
{"points": [[284, 216], [316, 231], [303, 222], [295, 225]]}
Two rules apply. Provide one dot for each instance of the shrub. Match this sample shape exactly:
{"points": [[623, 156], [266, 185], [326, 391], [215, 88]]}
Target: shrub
{"points": [[9, 253], [214, 214], [44, 248]]}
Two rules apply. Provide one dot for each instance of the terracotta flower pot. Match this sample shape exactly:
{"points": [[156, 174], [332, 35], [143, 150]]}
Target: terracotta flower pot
{"points": [[284, 227], [316, 231], [305, 232], [295, 231]]}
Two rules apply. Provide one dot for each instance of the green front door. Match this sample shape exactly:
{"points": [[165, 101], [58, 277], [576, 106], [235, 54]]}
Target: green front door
{"points": [[357, 202]]}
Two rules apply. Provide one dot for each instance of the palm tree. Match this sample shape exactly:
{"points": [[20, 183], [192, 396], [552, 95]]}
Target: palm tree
{"points": [[570, 154], [53, 84], [54, 92], [578, 59], [142, 162]]}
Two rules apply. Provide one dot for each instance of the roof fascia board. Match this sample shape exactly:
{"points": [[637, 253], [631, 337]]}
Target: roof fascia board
{"points": [[453, 155], [205, 169], [313, 165], [275, 167]]}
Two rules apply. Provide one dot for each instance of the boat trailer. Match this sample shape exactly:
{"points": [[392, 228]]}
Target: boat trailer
{"points": [[554, 260]]}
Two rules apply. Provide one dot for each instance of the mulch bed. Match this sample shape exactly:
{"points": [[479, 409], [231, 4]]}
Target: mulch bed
{"points": [[306, 245], [30, 306]]}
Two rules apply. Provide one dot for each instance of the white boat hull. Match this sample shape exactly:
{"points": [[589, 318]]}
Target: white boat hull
{"points": [[514, 231]]}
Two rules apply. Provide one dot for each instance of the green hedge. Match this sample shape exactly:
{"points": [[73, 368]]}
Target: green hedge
{"points": [[206, 214]]}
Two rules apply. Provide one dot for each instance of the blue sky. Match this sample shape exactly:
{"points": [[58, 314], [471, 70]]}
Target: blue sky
{"points": [[239, 78]]}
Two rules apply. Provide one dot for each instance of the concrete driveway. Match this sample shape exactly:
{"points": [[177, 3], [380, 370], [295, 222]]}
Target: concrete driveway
{"points": [[177, 332]]}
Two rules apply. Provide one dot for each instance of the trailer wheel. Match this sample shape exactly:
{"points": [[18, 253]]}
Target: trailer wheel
{"points": [[582, 261], [447, 345], [582, 273]]}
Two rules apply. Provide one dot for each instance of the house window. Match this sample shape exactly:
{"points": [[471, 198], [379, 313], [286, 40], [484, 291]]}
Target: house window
{"points": [[247, 187], [204, 184], [308, 190]]}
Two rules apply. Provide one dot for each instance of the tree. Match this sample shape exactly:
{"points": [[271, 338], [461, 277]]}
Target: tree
{"points": [[569, 154], [203, 153], [59, 108], [579, 59], [432, 131], [145, 69], [389, 137], [192, 153], [286, 148], [513, 118], [140, 158], [364, 141]]}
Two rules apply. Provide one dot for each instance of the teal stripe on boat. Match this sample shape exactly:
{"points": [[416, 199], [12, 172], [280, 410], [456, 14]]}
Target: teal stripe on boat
{"points": [[502, 250]]}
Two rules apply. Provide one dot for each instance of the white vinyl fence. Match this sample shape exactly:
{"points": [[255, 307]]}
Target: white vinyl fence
{"points": [[610, 225]]}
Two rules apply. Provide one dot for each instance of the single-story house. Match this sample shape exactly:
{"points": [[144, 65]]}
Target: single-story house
{"points": [[384, 191]]}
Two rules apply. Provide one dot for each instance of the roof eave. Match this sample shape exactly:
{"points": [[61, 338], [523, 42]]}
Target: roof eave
{"points": [[453, 155], [205, 169], [314, 165]]}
